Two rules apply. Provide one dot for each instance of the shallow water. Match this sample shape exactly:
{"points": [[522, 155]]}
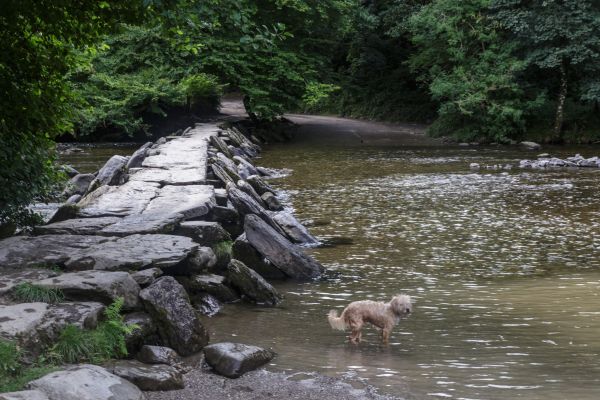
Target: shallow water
{"points": [[503, 268]]}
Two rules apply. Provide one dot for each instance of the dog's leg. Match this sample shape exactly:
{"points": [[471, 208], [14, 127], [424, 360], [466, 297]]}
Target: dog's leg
{"points": [[385, 335], [355, 328]]}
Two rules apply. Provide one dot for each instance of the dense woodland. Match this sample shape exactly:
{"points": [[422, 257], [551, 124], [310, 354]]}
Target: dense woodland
{"points": [[474, 70]]}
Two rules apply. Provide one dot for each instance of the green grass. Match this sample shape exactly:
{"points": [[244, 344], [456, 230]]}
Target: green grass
{"points": [[13, 374], [74, 345], [223, 249], [103, 343], [30, 293]]}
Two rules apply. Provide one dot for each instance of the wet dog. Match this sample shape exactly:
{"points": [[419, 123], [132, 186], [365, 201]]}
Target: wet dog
{"points": [[383, 315]]}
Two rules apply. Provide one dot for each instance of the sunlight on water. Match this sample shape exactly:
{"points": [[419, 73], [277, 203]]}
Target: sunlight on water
{"points": [[503, 268]]}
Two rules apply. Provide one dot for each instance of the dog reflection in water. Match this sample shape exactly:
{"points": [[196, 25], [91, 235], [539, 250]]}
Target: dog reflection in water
{"points": [[383, 315]]}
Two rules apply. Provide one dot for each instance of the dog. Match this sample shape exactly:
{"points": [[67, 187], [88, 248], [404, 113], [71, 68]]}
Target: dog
{"points": [[383, 315]]}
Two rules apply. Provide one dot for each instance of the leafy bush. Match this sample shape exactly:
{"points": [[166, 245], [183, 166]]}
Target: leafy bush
{"points": [[201, 89], [106, 341], [30, 293]]}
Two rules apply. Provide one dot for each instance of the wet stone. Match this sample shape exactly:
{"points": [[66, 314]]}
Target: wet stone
{"points": [[252, 286], [235, 359], [158, 355], [151, 377]]}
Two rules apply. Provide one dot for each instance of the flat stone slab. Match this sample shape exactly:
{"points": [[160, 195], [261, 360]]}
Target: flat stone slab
{"points": [[191, 201], [145, 223], [102, 286], [179, 177], [10, 279], [130, 198], [79, 226], [150, 377], [36, 325], [81, 252], [235, 359], [86, 382]]}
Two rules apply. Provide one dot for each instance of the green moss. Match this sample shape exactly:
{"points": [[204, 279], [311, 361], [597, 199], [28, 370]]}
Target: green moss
{"points": [[30, 293]]}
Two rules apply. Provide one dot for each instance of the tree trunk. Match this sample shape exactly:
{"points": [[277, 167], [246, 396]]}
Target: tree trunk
{"points": [[562, 96]]}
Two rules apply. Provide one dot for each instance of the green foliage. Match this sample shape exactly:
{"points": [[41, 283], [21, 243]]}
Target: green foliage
{"points": [[318, 93], [13, 374], [30, 293], [106, 341], [470, 69], [223, 249], [37, 38], [201, 89]]}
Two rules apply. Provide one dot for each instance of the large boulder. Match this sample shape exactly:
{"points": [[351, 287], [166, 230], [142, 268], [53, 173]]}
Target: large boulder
{"points": [[37, 325], [251, 285], [211, 284], [217, 142], [249, 190], [136, 159], [86, 382], [102, 286], [242, 250], [259, 185], [178, 324], [145, 277], [205, 233], [285, 255], [147, 377], [78, 184], [235, 359], [246, 205], [294, 229], [114, 172], [271, 201], [146, 333]]}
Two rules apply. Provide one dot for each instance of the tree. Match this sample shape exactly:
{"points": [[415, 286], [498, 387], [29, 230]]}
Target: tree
{"points": [[37, 38], [561, 37], [469, 66]]}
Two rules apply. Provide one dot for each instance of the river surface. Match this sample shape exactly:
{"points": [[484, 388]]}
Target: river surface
{"points": [[503, 268]]}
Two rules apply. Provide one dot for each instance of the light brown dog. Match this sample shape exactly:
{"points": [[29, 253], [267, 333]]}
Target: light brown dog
{"points": [[383, 315]]}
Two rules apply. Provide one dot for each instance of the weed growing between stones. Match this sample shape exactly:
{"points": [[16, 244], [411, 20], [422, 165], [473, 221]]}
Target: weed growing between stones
{"points": [[13, 374], [103, 343], [30, 293], [223, 249]]}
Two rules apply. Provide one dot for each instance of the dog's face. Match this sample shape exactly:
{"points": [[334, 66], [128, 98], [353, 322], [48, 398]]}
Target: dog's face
{"points": [[401, 305]]}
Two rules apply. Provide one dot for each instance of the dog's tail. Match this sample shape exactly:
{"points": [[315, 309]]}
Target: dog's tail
{"points": [[335, 321]]}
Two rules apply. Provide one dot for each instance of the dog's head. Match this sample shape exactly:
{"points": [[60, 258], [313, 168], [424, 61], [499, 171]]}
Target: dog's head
{"points": [[401, 305]]}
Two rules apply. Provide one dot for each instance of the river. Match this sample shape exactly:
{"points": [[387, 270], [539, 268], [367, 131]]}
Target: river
{"points": [[503, 268]]}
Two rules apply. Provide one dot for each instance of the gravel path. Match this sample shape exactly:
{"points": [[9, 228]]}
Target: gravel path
{"points": [[259, 385]]}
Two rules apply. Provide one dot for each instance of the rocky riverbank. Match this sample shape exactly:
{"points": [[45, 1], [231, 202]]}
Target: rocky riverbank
{"points": [[181, 227]]}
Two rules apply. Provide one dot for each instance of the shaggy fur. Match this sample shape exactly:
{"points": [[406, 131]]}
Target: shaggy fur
{"points": [[383, 315]]}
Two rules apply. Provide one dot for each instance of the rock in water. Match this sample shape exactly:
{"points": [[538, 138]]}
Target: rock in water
{"points": [[271, 201], [178, 324], [148, 377], [86, 382], [138, 157], [78, 184], [242, 250], [294, 229], [285, 255], [246, 205], [204, 233], [530, 145], [251, 284], [113, 172], [211, 284], [235, 359], [259, 185]]}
